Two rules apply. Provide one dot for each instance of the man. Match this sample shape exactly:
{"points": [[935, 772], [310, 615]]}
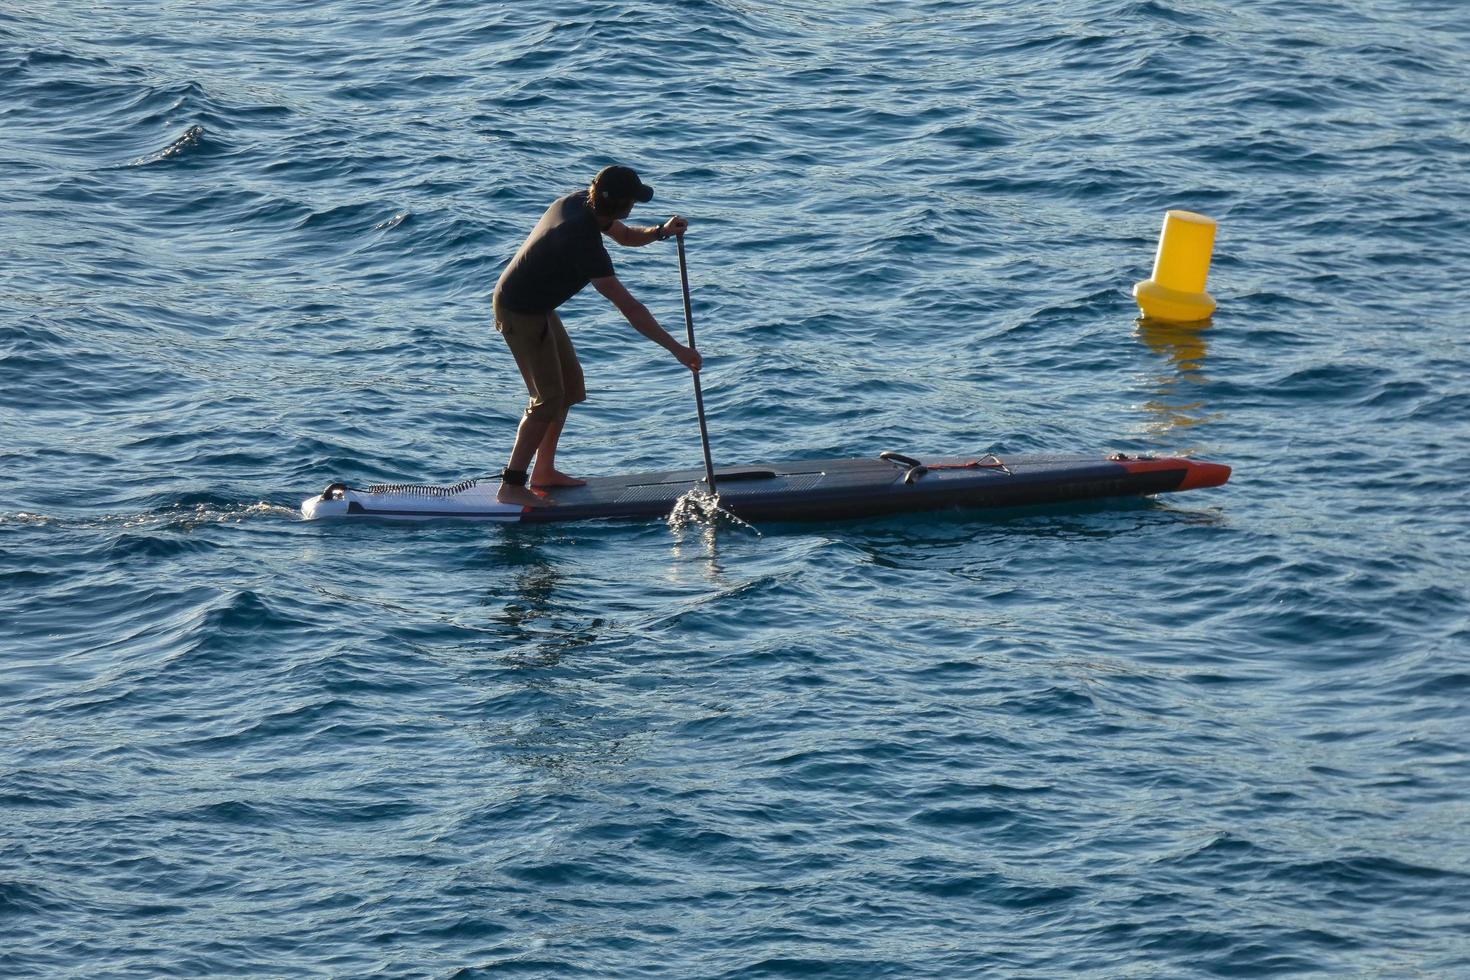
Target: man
{"points": [[563, 253]]}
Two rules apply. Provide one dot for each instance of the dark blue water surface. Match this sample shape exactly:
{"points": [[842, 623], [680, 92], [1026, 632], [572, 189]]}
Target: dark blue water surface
{"points": [[248, 249]]}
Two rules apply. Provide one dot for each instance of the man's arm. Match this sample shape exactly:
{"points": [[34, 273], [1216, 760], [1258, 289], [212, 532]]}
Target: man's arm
{"points": [[643, 321], [634, 237]]}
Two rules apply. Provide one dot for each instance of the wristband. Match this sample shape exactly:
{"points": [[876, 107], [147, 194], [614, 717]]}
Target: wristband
{"points": [[661, 233]]}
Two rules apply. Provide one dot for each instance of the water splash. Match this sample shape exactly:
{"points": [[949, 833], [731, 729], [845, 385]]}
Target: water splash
{"points": [[700, 508]]}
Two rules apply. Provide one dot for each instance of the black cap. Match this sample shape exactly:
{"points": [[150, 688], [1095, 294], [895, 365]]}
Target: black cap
{"points": [[615, 183]]}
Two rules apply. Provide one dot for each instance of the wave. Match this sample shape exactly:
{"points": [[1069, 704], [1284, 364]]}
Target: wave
{"points": [[190, 143]]}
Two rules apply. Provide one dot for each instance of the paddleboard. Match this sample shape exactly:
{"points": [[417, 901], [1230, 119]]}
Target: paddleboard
{"points": [[799, 490]]}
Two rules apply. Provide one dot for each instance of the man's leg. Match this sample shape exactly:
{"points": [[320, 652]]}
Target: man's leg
{"points": [[534, 348], [574, 390], [546, 474], [528, 437]]}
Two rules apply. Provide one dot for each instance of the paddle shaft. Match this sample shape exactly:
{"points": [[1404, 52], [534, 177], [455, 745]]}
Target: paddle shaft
{"points": [[709, 465]]}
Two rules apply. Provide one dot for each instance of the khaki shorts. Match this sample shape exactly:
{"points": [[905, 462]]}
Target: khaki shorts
{"points": [[548, 362]]}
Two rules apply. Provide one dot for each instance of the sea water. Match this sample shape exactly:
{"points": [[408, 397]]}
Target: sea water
{"points": [[248, 250]]}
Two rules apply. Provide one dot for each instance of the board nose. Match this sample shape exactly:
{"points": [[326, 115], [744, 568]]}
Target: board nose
{"points": [[1204, 475]]}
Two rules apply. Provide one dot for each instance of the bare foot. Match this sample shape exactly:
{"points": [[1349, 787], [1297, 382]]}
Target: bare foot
{"points": [[555, 478], [522, 497]]}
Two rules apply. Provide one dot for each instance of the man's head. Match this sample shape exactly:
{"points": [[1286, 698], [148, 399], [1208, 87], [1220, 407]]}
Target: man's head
{"points": [[615, 189]]}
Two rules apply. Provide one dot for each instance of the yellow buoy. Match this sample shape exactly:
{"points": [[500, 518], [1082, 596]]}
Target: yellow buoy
{"points": [[1177, 290]]}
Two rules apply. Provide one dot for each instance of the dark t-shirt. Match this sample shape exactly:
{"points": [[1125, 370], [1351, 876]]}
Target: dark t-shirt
{"points": [[560, 256]]}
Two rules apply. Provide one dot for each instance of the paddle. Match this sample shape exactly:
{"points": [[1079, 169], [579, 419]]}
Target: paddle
{"points": [[709, 466]]}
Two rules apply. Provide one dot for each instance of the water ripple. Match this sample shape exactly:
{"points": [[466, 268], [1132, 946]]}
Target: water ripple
{"points": [[251, 251]]}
